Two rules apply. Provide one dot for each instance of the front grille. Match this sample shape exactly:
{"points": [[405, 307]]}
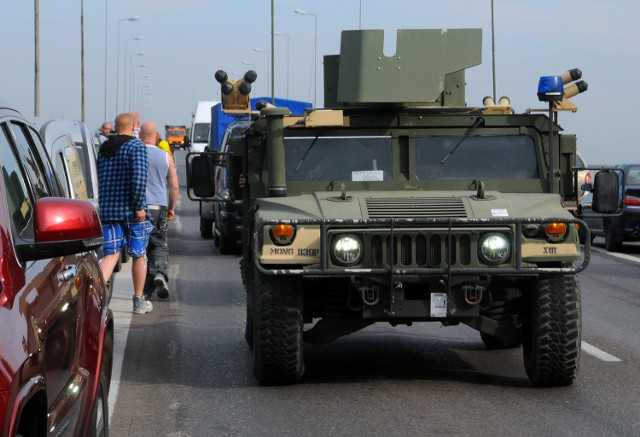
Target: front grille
{"points": [[418, 249], [416, 207]]}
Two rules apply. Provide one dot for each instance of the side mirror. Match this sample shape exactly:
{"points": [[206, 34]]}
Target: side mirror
{"points": [[606, 192], [201, 176], [586, 187], [62, 227]]}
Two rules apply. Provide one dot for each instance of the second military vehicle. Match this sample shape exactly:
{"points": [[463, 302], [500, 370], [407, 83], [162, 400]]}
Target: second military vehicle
{"points": [[399, 203]]}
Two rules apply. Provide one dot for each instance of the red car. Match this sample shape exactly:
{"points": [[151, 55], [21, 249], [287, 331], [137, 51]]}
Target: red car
{"points": [[56, 327]]}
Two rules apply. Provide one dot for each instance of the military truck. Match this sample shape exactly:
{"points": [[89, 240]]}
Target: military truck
{"points": [[399, 203]]}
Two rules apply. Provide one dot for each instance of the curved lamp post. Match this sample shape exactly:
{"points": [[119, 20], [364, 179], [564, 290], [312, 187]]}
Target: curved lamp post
{"points": [[118, 61]]}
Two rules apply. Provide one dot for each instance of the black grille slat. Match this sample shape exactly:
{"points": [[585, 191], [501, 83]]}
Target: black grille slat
{"points": [[453, 250], [419, 249], [465, 250], [405, 250], [395, 251], [376, 251], [435, 250]]}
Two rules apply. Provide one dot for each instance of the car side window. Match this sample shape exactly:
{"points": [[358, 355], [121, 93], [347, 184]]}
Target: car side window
{"points": [[19, 203], [54, 182], [31, 161]]}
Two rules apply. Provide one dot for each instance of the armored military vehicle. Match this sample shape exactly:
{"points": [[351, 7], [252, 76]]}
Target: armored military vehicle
{"points": [[399, 203]]}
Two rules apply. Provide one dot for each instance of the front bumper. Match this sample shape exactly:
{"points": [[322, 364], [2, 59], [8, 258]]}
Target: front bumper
{"points": [[521, 262]]}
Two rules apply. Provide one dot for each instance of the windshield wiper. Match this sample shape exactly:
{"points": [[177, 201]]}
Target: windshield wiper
{"points": [[306, 153], [478, 122]]}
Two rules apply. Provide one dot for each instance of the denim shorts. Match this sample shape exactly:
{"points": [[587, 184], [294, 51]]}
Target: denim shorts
{"points": [[130, 232]]}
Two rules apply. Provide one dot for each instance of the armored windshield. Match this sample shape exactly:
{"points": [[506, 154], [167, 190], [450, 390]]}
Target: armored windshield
{"points": [[486, 157], [338, 158]]}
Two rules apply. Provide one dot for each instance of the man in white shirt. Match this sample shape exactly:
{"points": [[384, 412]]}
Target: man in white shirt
{"points": [[162, 195]]}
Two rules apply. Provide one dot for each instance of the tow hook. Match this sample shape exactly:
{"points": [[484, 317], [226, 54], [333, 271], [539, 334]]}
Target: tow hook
{"points": [[473, 293], [370, 295]]}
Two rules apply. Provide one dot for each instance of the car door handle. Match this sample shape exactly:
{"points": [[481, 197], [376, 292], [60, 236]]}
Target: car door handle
{"points": [[68, 274]]}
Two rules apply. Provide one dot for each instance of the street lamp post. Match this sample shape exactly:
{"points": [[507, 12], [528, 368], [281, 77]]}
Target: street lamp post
{"points": [[138, 101], [315, 48], [256, 49], [133, 73], [128, 84], [125, 71], [118, 61], [287, 36]]}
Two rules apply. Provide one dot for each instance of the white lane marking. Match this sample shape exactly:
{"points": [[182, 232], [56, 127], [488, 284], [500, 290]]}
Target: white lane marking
{"points": [[598, 353], [122, 306], [618, 255]]}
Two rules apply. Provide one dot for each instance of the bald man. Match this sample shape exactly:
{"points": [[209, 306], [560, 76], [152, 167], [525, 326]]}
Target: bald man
{"points": [[162, 195], [123, 164]]}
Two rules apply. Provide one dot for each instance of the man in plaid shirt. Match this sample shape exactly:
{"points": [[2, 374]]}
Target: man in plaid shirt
{"points": [[122, 182]]}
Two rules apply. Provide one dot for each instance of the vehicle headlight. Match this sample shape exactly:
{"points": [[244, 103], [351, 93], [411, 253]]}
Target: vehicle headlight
{"points": [[346, 250], [495, 248]]}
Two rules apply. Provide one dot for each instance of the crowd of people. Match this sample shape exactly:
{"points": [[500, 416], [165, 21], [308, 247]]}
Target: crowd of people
{"points": [[137, 195]]}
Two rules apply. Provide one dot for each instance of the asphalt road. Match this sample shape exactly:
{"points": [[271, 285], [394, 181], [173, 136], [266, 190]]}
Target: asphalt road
{"points": [[186, 370]]}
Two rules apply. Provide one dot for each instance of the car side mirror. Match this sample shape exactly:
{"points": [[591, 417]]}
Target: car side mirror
{"points": [[62, 227], [606, 192], [586, 187]]}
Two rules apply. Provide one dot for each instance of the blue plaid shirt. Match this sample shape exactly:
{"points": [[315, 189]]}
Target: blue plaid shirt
{"points": [[123, 164]]}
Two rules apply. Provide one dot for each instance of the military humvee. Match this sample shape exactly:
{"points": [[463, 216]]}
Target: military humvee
{"points": [[398, 203]]}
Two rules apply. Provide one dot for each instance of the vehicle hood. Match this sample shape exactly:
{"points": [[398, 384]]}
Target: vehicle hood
{"points": [[428, 204]]}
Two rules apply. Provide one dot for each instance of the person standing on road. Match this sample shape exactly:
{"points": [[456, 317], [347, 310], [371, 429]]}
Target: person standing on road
{"points": [[123, 164], [136, 123], [104, 132], [162, 195]]}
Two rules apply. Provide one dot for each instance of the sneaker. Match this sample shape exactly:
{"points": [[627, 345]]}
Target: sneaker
{"points": [[141, 305], [161, 286]]}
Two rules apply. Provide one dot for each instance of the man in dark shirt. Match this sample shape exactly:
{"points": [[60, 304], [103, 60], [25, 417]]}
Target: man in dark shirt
{"points": [[122, 181]]}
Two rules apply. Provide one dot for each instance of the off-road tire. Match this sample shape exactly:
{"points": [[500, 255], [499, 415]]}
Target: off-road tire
{"points": [[206, 228], [100, 415], [277, 329], [247, 280], [611, 241], [552, 338]]}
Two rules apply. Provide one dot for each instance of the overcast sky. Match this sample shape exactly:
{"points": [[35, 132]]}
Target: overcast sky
{"points": [[186, 41]]}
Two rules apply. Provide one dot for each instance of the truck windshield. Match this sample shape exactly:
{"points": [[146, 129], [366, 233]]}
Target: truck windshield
{"points": [[485, 157], [200, 133], [338, 158]]}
